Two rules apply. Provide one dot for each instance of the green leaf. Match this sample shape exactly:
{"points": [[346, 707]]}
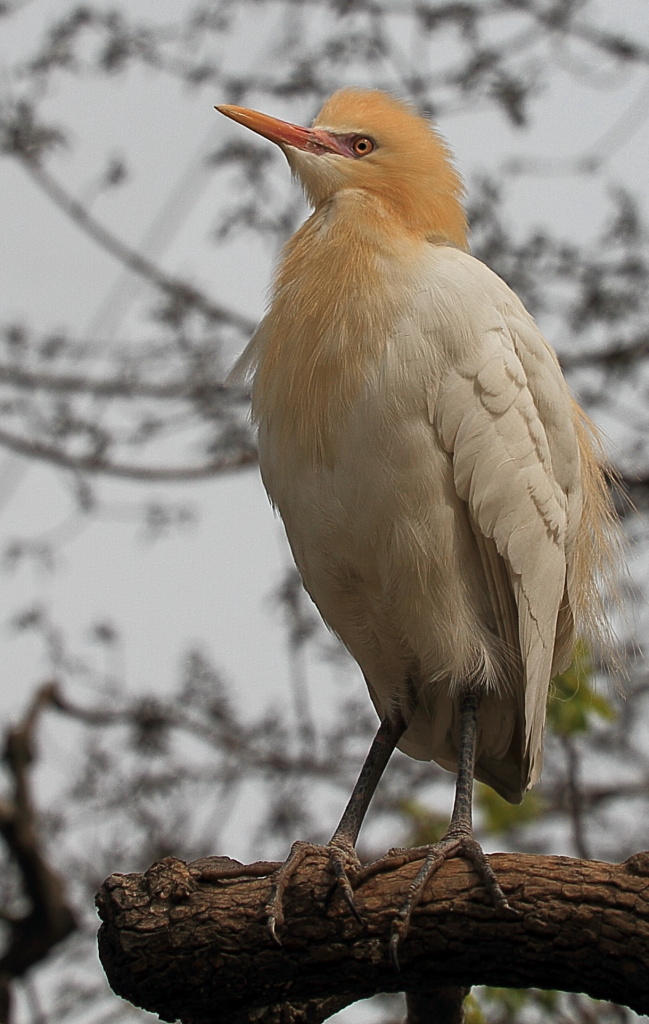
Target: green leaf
{"points": [[509, 1005], [426, 826], [573, 700], [497, 815]]}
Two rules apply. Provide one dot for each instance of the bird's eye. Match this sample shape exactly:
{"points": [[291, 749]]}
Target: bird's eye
{"points": [[362, 145]]}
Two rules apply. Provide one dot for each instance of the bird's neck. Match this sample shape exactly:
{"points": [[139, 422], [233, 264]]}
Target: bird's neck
{"points": [[339, 290], [425, 211]]}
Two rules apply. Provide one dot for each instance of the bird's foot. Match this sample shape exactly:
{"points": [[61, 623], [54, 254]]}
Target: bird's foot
{"points": [[343, 863], [451, 845]]}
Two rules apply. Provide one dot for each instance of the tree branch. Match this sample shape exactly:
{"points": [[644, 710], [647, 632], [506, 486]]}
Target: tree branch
{"points": [[186, 388], [180, 292], [618, 355], [96, 463], [50, 918], [190, 941]]}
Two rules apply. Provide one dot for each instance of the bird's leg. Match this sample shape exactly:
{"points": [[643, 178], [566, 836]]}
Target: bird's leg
{"points": [[459, 838], [343, 842]]}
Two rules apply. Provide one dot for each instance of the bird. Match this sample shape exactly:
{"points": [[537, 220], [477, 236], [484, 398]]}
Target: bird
{"points": [[444, 496]]}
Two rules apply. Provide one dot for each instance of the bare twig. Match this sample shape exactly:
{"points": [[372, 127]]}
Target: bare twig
{"points": [[114, 387], [99, 464], [182, 294]]}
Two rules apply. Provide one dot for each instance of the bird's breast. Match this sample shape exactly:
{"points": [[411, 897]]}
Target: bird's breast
{"points": [[345, 512], [340, 295], [374, 468]]}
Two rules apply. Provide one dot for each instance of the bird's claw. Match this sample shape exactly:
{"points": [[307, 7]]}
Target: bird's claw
{"points": [[342, 862], [451, 845], [280, 880], [396, 935], [271, 924], [472, 850]]}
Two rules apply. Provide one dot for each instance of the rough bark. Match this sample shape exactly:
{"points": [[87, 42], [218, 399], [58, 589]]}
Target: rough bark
{"points": [[185, 942]]}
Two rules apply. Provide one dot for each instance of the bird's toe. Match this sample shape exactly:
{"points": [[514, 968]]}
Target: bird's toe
{"points": [[344, 865]]}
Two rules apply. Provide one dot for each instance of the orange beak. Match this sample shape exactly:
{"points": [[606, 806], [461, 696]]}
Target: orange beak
{"points": [[312, 140]]}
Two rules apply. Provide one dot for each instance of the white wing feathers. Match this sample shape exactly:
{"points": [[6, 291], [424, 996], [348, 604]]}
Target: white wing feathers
{"points": [[489, 420]]}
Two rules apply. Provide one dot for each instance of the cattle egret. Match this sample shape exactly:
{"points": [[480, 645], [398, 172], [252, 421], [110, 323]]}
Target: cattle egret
{"points": [[441, 491]]}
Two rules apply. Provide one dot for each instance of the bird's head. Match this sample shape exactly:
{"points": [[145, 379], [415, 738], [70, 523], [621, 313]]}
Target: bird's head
{"points": [[365, 139]]}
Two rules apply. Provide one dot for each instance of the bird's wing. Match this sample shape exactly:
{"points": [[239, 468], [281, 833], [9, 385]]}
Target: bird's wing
{"points": [[504, 413]]}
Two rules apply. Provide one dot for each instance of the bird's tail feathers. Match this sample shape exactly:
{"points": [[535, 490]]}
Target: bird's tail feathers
{"points": [[597, 571]]}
